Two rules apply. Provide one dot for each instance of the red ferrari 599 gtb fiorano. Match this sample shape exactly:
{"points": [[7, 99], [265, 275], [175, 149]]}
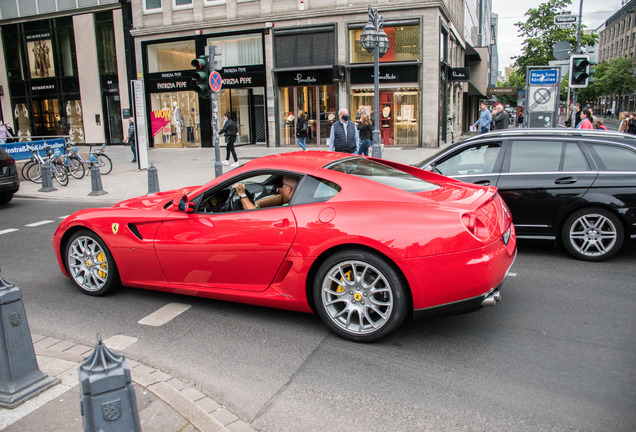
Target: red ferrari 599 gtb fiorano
{"points": [[363, 242]]}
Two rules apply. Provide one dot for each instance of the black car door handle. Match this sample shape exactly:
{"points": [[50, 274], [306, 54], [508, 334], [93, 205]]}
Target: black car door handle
{"points": [[565, 180], [483, 182]]}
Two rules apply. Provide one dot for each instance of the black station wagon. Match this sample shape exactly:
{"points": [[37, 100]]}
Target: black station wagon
{"points": [[9, 180], [575, 186]]}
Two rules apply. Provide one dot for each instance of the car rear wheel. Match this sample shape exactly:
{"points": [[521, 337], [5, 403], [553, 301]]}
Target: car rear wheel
{"points": [[90, 264], [593, 234], [360, 296], [5, 198]]}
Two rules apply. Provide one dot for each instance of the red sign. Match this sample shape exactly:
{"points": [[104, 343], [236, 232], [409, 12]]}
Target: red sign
{"points": [[215, 81], [159, 120]]}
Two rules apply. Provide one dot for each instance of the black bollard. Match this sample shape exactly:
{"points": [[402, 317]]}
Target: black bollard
{"points": [[47, 180], [107, 399], [20, 377], [96, 182], [153, 180]]}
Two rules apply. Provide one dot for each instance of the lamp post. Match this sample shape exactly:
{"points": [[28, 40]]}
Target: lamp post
{"points": [[374, 39]]}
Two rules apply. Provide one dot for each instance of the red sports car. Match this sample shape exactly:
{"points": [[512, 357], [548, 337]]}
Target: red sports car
{"points": [[362, 241]]}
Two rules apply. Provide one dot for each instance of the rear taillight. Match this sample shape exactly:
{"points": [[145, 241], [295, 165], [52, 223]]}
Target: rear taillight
{"points": [[9, 160], [475, 226]]}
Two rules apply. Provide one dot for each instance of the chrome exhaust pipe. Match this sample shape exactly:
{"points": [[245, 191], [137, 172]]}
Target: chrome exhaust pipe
{"points": [[492, 299]]}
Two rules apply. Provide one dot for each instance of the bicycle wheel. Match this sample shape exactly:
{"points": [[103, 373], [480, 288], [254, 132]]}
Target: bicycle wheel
{"points": [[25, 168], [59, 172], [34, 173], [77, 169], [105, 164]]}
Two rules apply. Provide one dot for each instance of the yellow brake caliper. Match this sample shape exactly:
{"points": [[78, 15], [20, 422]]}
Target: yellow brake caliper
{"points": [[349, 276], [102, 258]]}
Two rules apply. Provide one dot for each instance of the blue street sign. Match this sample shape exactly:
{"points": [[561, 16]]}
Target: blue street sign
{"points": [[543, 77]]}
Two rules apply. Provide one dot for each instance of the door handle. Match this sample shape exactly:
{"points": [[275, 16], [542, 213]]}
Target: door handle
{"points": [[283, 223], [483, 182], [566, 180]]}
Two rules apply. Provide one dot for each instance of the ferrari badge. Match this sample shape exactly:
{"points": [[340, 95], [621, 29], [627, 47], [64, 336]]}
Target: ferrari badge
{"points": [[115, 228]]}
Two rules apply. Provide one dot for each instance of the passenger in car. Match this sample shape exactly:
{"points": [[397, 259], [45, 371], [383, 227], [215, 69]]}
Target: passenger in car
{"points": [[283, 197]]}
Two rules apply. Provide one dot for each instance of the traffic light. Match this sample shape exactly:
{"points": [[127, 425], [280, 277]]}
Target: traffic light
{"points": [[580, 71], [200, 77]]}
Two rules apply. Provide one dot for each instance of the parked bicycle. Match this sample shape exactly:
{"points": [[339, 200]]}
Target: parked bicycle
{"points": [[73, 162], [55, 159], [100, 158]]}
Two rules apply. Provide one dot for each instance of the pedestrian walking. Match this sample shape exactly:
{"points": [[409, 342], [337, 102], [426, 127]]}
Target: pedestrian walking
{"points": [[11, 132], [301, 130], [577, 116], [500, 117], [365, 129], [229, 131], [520, 120], [485, 118], [624, 124], [609, 114], [585, 122], [4, 133], [598, 124], [131, 138], [632, 124], [344, 136]]}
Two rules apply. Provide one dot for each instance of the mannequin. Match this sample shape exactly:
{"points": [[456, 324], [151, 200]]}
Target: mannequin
{"points": [[167, 129], [177, 120], [189, 122]]}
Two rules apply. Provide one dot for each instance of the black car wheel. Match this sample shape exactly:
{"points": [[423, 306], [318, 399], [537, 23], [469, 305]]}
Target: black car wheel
{"points": [[90, 264], [360, 296], [593, 234], [5, 198]]}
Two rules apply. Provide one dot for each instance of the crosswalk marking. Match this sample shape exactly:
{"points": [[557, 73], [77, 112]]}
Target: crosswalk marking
{"points": [[164, 315], [63, 217], [512, 274], [119, 342], [39, 223], [7, 231]]}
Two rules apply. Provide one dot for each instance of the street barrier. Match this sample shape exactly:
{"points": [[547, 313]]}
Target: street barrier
{"points": [[153, 180], [47, 178], [96, 182], [107, 400], [20, 377]]}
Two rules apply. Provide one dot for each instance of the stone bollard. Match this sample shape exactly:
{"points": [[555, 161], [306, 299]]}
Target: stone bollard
{"points": [[96, 182], [20, 377], [153, 180], [107, 399], [47, 179]]}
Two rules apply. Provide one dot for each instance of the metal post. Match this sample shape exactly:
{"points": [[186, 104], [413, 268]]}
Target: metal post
{"points": [[47, 180], [153, 180], [96, 182], [377, 144], [214, 123], [578, 51]]}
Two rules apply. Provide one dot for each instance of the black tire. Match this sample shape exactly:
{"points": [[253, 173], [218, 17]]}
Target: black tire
{"points": [[6, 198], [34, 173], [77, 168], [375, 302], [105, 164], [58, 171], [90, 264], [593, 234], [25, 169]]}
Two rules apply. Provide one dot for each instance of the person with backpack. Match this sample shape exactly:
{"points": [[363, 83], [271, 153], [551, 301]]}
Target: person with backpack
{"points": [[301, 130]]}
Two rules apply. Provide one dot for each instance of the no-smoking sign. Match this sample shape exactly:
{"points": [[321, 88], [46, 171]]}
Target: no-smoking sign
{"points": [[215, 81]]}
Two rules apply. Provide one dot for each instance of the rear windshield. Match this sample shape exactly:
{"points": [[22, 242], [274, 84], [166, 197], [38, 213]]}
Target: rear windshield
{"points": [[386, 175]]}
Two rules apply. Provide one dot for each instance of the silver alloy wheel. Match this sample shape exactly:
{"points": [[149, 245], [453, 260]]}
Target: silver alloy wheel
{"points": [[357, 297], [593, 235], [87, 263]]}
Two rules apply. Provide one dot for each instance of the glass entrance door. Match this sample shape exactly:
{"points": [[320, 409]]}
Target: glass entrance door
{"points": [[318, 104], [113, 120], [46, 117], [306, 101]]}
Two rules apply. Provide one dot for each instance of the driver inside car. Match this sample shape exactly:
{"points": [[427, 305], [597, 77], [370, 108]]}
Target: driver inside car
{"points": [[281, 199]]}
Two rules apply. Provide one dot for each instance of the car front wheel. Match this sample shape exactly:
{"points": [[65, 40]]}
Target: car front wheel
{"points": [[90, 264], [593, 234], [360, 296]]}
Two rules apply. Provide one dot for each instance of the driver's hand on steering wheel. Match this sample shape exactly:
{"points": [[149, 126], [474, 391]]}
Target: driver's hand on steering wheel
{"points": [[239, 188]]}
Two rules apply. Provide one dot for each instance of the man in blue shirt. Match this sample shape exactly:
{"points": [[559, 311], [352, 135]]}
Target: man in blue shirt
{"points": [[485, 118], [344, 136]]}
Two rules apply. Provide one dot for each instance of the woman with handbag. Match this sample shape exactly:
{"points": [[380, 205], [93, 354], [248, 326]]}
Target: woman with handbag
{"points": [[301, 130], [366, 130]]}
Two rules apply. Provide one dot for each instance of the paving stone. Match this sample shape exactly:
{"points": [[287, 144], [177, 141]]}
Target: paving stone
{"points": [[208, 404], [61, 346], [177, 384], [37, 338], [46, 342], [161, 376], [57, 367], [192, 394], [159, 417], [144, 369], [239, 426], [224, 416], [131, 363], [79, 350]]}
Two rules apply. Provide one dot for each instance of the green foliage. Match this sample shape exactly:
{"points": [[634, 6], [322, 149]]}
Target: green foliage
{"points": [[615, 77], [515, 79]]}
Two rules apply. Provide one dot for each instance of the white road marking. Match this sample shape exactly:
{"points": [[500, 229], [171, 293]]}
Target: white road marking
{"points": [[39, 223], [7, 231], [119, 342], [63, 217], [512, 274], [164, 315]]}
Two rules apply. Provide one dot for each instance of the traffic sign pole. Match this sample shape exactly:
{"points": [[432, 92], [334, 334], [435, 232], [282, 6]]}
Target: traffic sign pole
{"points": [[578, 51], [218, 167]]}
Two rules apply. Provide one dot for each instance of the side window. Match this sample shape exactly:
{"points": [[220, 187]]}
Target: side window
{"points": [[535, 156], [573, 159], [315, 190], [613, 158], [473, 160]]}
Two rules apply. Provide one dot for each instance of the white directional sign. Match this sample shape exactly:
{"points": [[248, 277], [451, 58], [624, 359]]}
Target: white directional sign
{"points": [[542, 98], [565, 19]]}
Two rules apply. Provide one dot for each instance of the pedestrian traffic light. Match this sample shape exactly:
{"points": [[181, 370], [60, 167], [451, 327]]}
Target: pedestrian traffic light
{"points": [[579, 71], [200, 77]]}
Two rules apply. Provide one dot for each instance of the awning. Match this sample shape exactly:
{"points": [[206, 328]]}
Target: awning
{"points": [[472, 54], [474, 91]]}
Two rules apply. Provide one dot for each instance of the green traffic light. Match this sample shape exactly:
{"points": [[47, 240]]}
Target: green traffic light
{"points": [[200, 77]]}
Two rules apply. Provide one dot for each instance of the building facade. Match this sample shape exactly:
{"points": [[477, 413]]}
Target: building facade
{"points": [[63, 69]]}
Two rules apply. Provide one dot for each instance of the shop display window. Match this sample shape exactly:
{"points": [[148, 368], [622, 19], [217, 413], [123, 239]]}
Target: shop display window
{"points": [[105, 38], [319, 106], [171, 56], [66, 51], [72, 123], [13, 54], [21, 122], [404, 45], [175, 119], [236, 102], [239, 50]]}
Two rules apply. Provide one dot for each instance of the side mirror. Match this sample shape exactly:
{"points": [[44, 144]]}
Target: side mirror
{"points": [[428, 167], [184, 205]]}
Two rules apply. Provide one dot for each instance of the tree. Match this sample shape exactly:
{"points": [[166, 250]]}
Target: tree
{"points": [[515, 79], [597, 88], [615, 77], [541, 34]]}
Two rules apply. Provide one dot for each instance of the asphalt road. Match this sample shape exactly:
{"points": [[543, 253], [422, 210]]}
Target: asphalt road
{"points": [[557, 353]]}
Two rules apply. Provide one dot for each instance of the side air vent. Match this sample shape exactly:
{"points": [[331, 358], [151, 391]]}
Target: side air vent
{"points": [[135, 231]]}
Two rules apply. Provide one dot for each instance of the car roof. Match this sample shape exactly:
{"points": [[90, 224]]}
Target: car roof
{"points": [[561, 133], [302, 161]]}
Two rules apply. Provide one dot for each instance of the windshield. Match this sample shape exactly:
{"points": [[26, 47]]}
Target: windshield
{"points": [[383, 174]]}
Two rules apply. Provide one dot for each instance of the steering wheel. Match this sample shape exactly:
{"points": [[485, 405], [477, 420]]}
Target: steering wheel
{"points": [[231, 199]]}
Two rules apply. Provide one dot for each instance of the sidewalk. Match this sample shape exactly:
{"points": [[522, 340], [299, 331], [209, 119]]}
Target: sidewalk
{"points": [[176, 168]]}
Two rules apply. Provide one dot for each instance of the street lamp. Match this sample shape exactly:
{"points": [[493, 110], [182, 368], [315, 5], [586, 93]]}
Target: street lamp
{"points": [[374, 39]]}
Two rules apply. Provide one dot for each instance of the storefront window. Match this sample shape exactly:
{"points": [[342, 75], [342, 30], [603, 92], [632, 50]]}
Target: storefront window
{"points": [[105, 37], [239, 50], [175, 119], [319, 106], [404, 45], [171, 56], [236, 102], [72, 121], [13, 53], [66, 48], [22, 125]]}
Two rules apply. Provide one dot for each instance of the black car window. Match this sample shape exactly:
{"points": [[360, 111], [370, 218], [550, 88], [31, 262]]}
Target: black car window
{"points": [[479, 159], [613, 158], [315, 190], [573, 158], [535, 156]]}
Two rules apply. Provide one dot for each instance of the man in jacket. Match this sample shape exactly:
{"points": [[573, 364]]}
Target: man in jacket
{"points": [[344, 135], [501, 118], [229, 130], [131, 138], [485, 118]]}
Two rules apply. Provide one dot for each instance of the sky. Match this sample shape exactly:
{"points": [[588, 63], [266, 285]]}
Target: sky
{"points": [[595, 13]]}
